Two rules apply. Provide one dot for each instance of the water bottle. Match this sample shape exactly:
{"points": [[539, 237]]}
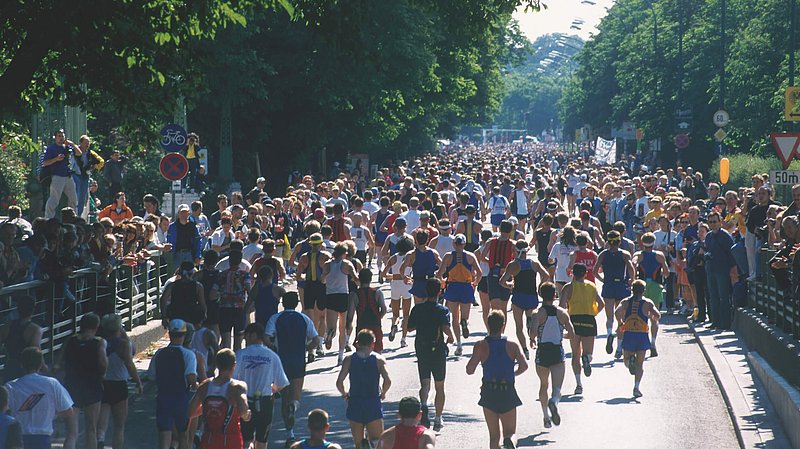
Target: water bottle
{"points": [[257, 402]]}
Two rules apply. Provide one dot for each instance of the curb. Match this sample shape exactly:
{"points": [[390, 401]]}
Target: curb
{"points": [[785, 398], [725, 397]]}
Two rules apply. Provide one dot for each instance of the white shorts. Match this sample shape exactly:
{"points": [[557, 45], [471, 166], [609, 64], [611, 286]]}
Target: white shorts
{"points": [[400, 290]]}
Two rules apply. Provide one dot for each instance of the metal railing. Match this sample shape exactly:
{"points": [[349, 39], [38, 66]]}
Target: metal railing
{"points": [[769, 300], [131, 292]]}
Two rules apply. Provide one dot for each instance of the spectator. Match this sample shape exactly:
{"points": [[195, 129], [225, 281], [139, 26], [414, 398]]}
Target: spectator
{"points": [[192, 154], [85, 160], [113, 171], [118, 211], [222, 205], [184, 238], [24, 228], [55, 164], [94, 201], [30, 256], [720, 270], [201, 221], [221, 238], [12, 431], [150, 204], [10, 267], [36, 418], [17, 335], [757, 230]]}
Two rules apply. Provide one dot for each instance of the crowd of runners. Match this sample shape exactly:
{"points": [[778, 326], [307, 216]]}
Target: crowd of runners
{"points": [[523, 233]]}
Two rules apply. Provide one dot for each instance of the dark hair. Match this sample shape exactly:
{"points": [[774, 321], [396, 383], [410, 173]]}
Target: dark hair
{"points": [[495, 321], [581, 239], [235, 258], [236, 245], [150, 198], [506, 226], [579, 270], [409, 407], [210, 257], [31, 359], [421, 237], [225, 359], [90, 321], [547, 291], [290, 300], [317, 420], [404, 245], [365, 337], [256, 328], [638, 287], [365, 276]]}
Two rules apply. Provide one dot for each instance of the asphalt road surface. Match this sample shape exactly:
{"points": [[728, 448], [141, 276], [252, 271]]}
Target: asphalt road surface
{"points": [[681, 407]]}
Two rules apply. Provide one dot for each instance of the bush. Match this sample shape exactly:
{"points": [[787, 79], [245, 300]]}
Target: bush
{"points": [[744, 166], [142, 176], [15, 170]]}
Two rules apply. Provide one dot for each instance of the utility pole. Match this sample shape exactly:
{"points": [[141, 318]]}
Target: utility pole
{"points": [[722, 54]]}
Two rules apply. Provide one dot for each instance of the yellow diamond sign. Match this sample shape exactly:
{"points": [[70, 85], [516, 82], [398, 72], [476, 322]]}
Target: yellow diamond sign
{"points": [[791, 110], [720, 135]]}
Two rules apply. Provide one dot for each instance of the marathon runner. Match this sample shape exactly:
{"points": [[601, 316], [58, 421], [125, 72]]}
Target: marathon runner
{"points": [[408, 433], [311, 266], [365, 370], [380, 236], [546, 336], [471, 228], [583, 303], [653, 270], [398, 287], [520, 277], [615, 270], [370, 308], [461, 269], [264, 296], [499, 397], [633, 315], [423, 262], [336, 275], [498, 253]]}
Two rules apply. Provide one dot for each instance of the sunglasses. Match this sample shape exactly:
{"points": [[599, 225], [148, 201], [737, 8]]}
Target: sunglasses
{"points": [[684, 222]]}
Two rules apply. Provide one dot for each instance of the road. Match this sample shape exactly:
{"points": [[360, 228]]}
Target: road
{"points": [[681, 407]]}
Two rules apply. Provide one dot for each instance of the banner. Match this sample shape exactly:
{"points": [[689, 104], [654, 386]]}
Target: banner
{"points": [[605, 151]]}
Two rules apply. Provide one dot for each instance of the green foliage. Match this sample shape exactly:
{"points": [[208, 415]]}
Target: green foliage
{"points": [[15, 170], [142, 176], [744, 166], [632, 69]]}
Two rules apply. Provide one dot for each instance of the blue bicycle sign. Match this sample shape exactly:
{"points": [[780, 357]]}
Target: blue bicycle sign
{"points": [[173, 138]]}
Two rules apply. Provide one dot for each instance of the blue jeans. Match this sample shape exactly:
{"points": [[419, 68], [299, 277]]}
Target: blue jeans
{"points": [[180, 256], [82, 191], [36, 441], [739, 252], [719, 298]]}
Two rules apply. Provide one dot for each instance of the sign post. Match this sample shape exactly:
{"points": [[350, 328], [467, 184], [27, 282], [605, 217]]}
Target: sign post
{"points": [[173, 167]]}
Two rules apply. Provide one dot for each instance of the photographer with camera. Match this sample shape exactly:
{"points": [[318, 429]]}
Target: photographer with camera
{"points": [[113, 172], [55, 165]]}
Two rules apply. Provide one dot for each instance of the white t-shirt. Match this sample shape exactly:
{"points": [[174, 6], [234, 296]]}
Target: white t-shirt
{"points": [[358, 236], [412, 220], [642, 206], [224, 264], [662, 239], [371, 207], [218, 237], [34, 400], [251, 251], [498, 204], [560, 253], [578, 187], [260, 368]]}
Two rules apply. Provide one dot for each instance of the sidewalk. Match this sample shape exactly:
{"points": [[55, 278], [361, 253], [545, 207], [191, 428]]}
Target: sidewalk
{"points": [[754, 416]]}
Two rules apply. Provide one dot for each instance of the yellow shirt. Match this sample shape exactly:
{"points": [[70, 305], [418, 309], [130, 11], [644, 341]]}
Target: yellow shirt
{"points": [[655, 213], [190, 153], [735, 221], [583, 300]]}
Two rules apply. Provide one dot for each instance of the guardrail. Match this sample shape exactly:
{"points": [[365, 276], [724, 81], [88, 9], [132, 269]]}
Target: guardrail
{"points": [[773, 303], [131, 292]]}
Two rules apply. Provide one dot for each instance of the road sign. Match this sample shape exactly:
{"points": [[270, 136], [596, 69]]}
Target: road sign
{"points": [[791, 107], [784, 177], [639, 134], [681, 141], [173, 166], [173, 138], [683, 113], [721, 118], [786, 145], [628, 130], [720, 135]]}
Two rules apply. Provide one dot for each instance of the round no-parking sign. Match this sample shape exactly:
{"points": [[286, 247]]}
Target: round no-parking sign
{"points": [[682, 141], [174, 166]]}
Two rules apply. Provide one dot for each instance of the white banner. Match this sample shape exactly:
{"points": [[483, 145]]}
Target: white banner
{"points": [[605, 151]]}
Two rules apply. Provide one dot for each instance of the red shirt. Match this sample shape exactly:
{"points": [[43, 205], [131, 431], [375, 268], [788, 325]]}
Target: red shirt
{"points": [[588, 258]]}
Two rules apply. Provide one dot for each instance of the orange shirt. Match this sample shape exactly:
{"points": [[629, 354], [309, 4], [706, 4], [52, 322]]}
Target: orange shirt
{"points": [[110, 211]]}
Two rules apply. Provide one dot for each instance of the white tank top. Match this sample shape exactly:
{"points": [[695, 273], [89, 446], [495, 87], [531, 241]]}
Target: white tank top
{"points": [[522, 202], [484, 265], [551, 331], [199, 345], [336, 282], [444, 244], [359, 237], [399, 259]]}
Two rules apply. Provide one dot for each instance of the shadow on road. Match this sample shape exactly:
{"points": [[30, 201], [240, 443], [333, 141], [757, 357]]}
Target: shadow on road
{"points": [[620, 401], [533, 441]]}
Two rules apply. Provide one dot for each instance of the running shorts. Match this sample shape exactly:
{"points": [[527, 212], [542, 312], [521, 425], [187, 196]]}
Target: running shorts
{"points": [[171, 411], [483, 285], [496, 291], [337, 302], [616, 290], [499, 398], [114, 391], [496, 219], [549, 354], [585, 325], [460, 292], [85, 393], [525, 301], [635, 341], [231, 318], [419, 288], [432, 363], [364, 410], [261, 421], [362, 256], [654, 292], [314, 295]]}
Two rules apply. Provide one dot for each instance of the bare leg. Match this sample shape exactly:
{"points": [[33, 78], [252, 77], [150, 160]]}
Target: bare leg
{"points": [[519, 321], [357, 430], [544, 380], [439, 399], [91, 413], [406, 312], [71, 438], [374, 431], [493, 423], [465, 311], [485, 305], [455, 311], [509, 421], [119, 412]]}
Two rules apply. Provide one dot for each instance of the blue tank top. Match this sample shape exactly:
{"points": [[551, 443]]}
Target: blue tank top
{"points": [[649, 266], [364, 377], [266, 303], [525, 280], [498, 367], [635, 319], [614, 267], [424, 266], [304, 248], [306, 445], [169, 370], [380, 237], [290, 331]]}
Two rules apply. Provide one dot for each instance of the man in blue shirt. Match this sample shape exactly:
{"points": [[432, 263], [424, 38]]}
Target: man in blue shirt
{"points": [[721, 271], [56, 163]]}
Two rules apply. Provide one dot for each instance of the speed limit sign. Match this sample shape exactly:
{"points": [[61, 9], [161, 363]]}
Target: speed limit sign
{"points": [[721, 118]]}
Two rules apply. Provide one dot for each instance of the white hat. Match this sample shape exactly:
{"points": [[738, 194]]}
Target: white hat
{"points": [[184, 207]]}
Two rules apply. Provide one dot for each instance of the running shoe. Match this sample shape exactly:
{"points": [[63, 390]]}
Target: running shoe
{"points": [[403, 343], [393, 332], [311, 357], [348, 348], [508, 444], [610, 344], [618, 354], [579, 389], [637, 393], [653, 350], [587, 367], [320, 352], [459, 351], [464, 328], [425, 420], [551, 404], [437, 423], [632, 365], [329, 339], [548, 423]]}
